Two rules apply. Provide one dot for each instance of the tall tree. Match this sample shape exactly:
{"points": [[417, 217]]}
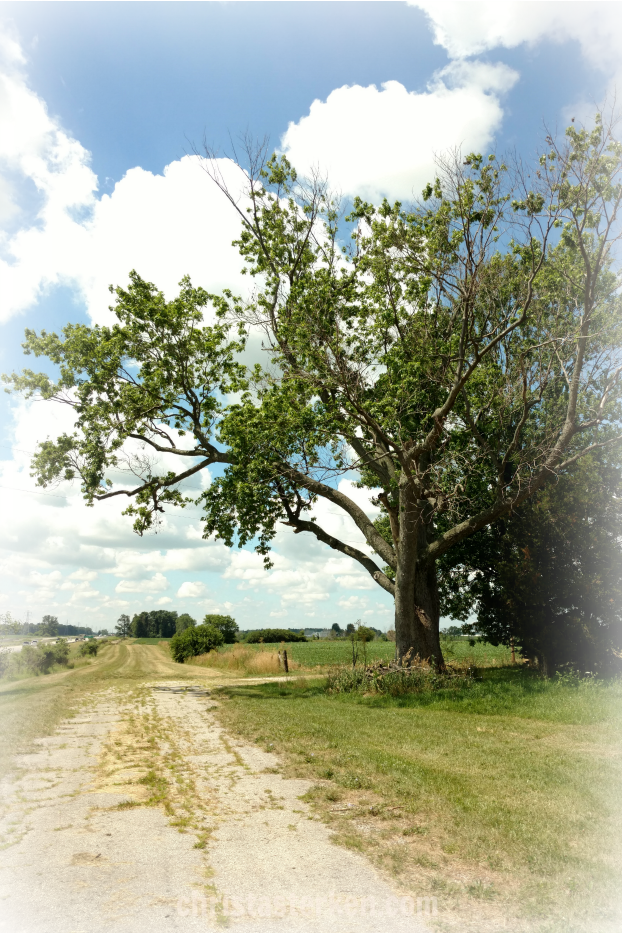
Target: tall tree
{"points": [[183, 622], [49, 626], [549, 577], [461, 354], [140, 625], [226, 625], [123, 626]]}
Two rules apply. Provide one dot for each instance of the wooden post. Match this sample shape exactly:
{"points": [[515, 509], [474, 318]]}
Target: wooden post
{"points": [[285, 664]]}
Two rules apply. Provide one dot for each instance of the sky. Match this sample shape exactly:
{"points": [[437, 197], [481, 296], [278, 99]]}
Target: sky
{"points": [[103, 106]]}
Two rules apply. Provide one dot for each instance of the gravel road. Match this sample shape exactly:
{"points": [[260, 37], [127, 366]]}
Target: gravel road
{"points": [[139, 814]]}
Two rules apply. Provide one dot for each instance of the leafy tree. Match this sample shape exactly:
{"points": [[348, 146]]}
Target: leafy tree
{"points": [[194, 641], [336, 628], [163, 623], [460, 355], [350, 629], [123, 626], [364, 633], [140, 625], [160, 623], [49, 626], [9, 625], [549, 578], [183, 622], [42, 658], [225, 624]]}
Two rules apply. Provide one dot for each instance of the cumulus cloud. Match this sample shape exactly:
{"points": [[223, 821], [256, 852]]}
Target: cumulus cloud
{"points": [[191, 590], [353, 602], [375, 142], [164, 225], [466, 29], [154, 584]]}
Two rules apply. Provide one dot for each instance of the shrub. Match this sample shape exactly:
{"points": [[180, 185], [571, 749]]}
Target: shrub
{"points": [[273, 635], [194, 641], [396, 681], [6, 657], [225, 624], [89, 649], [41, 659]]}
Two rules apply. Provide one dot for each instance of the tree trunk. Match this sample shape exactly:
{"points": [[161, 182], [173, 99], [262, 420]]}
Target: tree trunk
{"points": [[416, 592], [417, 615]]}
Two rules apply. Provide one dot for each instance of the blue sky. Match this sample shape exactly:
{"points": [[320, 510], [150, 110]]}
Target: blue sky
{"points": [[101, 105]]}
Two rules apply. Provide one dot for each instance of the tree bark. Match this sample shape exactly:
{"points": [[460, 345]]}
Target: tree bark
{"points": [[417, 613]]}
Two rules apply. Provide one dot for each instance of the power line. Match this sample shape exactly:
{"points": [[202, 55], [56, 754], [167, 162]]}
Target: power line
{"points": [[34, 492], [17, 449]]}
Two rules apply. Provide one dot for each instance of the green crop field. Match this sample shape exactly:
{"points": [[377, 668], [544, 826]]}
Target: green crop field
{"points": [[324, 653]]}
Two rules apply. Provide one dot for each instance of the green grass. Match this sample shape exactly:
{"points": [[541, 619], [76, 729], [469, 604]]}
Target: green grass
{"points": [[324, 653], [514, 786], [146, 641]]}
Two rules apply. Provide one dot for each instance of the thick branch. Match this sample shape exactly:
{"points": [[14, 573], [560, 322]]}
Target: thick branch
{"points": [[215, 455], [356, 513], [376, 574], [156, 483]]}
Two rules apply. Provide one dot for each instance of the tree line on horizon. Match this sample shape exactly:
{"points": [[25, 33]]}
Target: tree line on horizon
{"points": [[166, 623], [48, 627]]}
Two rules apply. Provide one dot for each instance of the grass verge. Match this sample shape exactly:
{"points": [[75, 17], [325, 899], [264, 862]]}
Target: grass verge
{"points": [[503, 799]]}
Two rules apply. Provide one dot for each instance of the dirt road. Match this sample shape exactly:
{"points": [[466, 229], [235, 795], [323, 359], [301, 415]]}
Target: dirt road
{"points": [[140, 814]]}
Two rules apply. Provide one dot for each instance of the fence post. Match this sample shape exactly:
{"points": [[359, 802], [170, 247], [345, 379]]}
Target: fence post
{"points": [[285, 664]]}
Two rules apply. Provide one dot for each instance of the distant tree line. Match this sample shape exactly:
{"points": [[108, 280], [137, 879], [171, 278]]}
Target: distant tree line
{"points": [[48, 627], [166, 623], [272, 636]]}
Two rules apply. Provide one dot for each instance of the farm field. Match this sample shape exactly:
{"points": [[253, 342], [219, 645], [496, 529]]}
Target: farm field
{"points": [[325, 653], [146, 641]]}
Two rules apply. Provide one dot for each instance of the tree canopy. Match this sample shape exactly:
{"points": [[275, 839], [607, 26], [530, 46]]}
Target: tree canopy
{"points": [[549, 577], [460, 354], [183, 622], [226, 625]]}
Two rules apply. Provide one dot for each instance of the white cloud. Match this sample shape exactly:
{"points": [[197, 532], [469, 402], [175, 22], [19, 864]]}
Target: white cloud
{"points": [[382, 142], [165, 226], [83, 574], [353, 602], [191, 590], [155, 584], [465, 28]]}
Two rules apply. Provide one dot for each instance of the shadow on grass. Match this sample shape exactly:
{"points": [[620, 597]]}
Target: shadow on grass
{"points": [[294, 690]]}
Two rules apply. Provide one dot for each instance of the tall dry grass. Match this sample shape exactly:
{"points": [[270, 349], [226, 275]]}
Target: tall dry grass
{"points": [[244, 660]]}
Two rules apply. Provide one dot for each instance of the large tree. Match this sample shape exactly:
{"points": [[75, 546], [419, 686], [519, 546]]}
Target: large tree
{"points": [[548, 578], [123, 626], [460, 354]]}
